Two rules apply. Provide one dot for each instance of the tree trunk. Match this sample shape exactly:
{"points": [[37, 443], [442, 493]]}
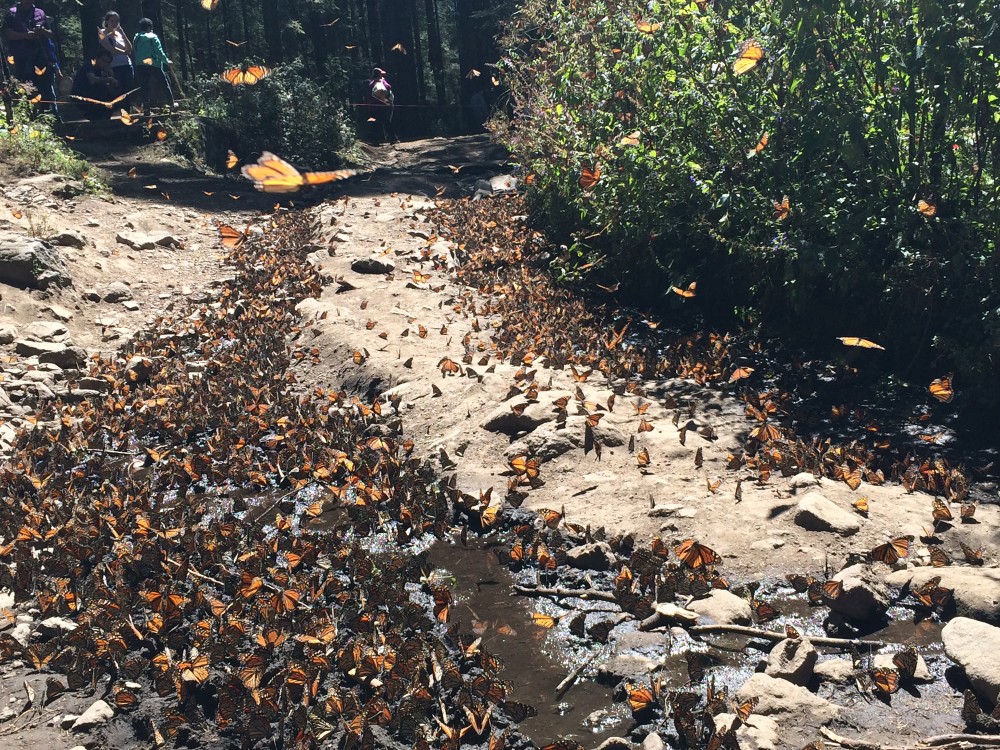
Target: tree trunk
{"points": [[272, 30], [130, 12], [91, 15], [153, 10], [435, 52], [182, 49]]}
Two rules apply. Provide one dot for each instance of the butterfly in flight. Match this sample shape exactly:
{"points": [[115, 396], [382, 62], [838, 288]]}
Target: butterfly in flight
{"points": [[272, 174], [109, 104], [249, 77]]}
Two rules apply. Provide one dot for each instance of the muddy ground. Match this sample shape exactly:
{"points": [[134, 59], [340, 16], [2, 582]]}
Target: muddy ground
{"points": [[385, 333]]}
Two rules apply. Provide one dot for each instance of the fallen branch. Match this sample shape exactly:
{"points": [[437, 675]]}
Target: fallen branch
{"points": [[941, 741], [567, 683], [770, 635], [603, 596]]}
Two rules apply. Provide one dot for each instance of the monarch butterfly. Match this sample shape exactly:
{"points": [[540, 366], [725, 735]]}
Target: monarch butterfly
{"points": [[231, 160], [696, 555], [589, 177], [751, 53], [761, 145], [518, 712], [832, 589], [891, 552], [791, 632], [926, 208], [938, 557], [545, 621], [127, 119], [696, 664], [642, 699], [941, 389], [632, 139], [859, 342], [765, 432], [968, 512], [209, 4], [232, 238], [941, 512], [861, 506], [478, 719], [782, 209], [648, 27], [551, 517], [272, 174], [110, 104], [688, 292], [906, 663], [739, 373], [972, 556], [713, 486], [743, 710], [249, 77], [642, 458], [885, 681], [764, 612], [524, 466], [442, 603]]}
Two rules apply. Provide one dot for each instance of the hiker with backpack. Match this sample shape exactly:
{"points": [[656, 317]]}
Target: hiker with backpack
{"points": [[381, 104]]}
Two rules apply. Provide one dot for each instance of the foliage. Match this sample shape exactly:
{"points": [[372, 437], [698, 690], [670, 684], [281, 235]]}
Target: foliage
{"points": [[868, 106], [287, 113], [30, 146]]}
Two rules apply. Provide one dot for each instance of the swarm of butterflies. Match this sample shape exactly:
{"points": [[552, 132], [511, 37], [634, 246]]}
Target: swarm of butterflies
{"points": [[210, 535]]}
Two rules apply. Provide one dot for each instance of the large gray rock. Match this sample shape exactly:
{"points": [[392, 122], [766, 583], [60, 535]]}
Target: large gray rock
{"points": [[976, 591], [66, 358], [864, 595], [34, 347], [786, 702], [975, 646], [723, 607], [816, 513], [44, 330], [99, 713], [792, 659], [27, 263]]}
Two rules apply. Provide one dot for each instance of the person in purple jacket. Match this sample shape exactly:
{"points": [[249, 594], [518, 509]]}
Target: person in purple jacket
{"points": [[29, 42], [381, 105]]}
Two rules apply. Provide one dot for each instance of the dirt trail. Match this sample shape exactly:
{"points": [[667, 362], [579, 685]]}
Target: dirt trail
{"points": [[387, 332]]}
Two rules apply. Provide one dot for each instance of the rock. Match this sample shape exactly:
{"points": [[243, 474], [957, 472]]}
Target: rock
{"points": [[975, 647], [67, 721], [60, 313], [596, 556], [130, 305], [976, 591], [864, 595], [920, 674], [835, 670], [7, 333], [55, 626], [99, 713], [502, 419], [34, 348], [66, 358], [614, 743], [675, 613], [816, 513], [27, 263], [44, 330], [7, 714], [91, 295], [633, 656], [68, 239], [546, 441], [723, 607], [372, 265], [792, 659], [761, 733], [804, 479], [785, 701], [142, 241], [116, 291], [22, 632]]}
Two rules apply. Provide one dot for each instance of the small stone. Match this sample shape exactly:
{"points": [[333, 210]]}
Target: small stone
{"points": [[835, 670], [920, 674], [99, 713], [595, 556], [976, 591], [67, 721], [44, 330], [613, 743], [863, 596], [131, 306], [372, 265], [143, 241], [785, 701], [116, 291], [804, 479], [66, 358], [652, 741], [68, 239], [91, 295], [687, 512], [723, 607], [792, 659], [816, 513], [7, 333], [60, 313], [55, 626]]}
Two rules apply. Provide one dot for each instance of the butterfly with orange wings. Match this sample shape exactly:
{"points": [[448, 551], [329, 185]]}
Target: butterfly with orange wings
{"points": [[249, 77], [109, 105], [751, 53], [272, 174]]}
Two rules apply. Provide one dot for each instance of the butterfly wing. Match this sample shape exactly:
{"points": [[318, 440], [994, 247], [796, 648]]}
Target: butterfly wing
{"points": [[320, 178], [255, 74], [272, 174], [232, 76], [750, 54]]}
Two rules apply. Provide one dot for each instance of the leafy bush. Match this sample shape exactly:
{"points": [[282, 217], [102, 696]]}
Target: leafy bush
{"points": [[29, 145], [868, 107], [287, 113]]}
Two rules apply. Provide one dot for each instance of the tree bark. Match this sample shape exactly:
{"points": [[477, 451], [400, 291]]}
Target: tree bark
{"points": [[435, 52], [272, 30], [91, 14]]}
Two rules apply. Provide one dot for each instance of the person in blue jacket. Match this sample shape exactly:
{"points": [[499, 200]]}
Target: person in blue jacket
{"points": [[150, 61], [28, 32]]}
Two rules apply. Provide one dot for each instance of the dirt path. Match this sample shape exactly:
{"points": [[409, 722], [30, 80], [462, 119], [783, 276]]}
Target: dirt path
{"points": [[394, 324]]}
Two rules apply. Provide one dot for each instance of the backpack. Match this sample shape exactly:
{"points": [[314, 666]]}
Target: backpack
{"points": [[380, 92]]}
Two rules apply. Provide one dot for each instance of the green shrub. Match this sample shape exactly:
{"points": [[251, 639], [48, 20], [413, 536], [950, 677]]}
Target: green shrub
{"points": [[869, 105], [28, 145], [287, 113]]}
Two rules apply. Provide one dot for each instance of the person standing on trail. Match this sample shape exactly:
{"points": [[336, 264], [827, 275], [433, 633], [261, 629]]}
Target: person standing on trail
{"points": [[28, 32], [381, 104], [115, 41], [150, 61]]}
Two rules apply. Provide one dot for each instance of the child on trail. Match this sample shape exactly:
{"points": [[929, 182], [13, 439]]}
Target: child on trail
{"points": [[382, 104], [150, 61], [115, 41]]}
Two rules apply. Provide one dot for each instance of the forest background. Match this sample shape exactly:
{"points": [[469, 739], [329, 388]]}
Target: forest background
{"points": [[843, 184]]}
